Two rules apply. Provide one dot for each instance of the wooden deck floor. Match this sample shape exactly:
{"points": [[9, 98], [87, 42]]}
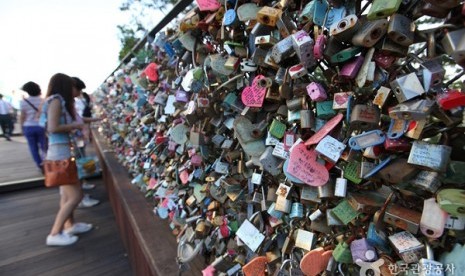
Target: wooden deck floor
{"points": [[25, 220], [16, 164]]}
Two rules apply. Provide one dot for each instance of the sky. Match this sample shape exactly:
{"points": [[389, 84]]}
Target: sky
{"points": [[74, 37]]}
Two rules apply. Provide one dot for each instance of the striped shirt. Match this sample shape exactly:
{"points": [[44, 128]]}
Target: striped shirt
{"points": [[32, 118]]}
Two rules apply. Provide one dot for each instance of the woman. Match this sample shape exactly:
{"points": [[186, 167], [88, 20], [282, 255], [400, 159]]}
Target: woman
{"points": [[29, 121], [59, 116]]}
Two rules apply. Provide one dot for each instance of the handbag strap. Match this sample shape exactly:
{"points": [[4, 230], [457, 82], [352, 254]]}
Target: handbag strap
{"points": [[35, 108]]}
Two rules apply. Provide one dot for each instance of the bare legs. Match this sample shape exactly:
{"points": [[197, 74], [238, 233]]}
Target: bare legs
{"points": [[71, 195]]}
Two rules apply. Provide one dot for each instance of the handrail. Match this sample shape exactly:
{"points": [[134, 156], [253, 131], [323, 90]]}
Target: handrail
{"points": [[177, 9]]}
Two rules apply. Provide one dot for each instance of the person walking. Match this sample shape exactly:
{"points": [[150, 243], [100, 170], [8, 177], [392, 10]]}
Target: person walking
{"points": [[82, 138], [6, 121], [29, 121], [59, 117]]}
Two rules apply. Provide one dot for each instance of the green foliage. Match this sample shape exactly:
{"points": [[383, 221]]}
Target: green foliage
{"points": [[128, 40]]}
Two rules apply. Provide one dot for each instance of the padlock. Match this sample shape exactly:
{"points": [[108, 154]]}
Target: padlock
{"points": [[285, 25], [303, 46], [398, 171], [426, 180], [433, 219], [367, 203], [377, 238], [344, 212], [268, 16], [277, 128], [283, 204], [320, 10], [269, 162], [341, 100], [282, 50], [403, 218], [435, 157], [433, 73], [407, 246], [454, 46], [350, 69], [451, 99], [452, 201], [344, 29], [309, 194], [307, 119], [319, 48], [455, 222], [305, 239], [428, 266], [365, 168], [383, 9], [351, 172], [401, 29], [361, 249], [364, 117], [370, 32], [331, 148], [342, 55], [297, 71], [258, 56], [407, 87], [326, 191], [342, 253], [324, 110]]}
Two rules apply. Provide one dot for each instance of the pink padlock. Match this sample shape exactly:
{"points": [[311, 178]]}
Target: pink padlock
{"points": [[316, 92], [350, 69], [319, 48], [196, 160]]}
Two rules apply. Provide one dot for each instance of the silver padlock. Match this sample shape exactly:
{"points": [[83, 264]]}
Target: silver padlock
{"points": [[282, 50], [344, 29], [407, 87], [370, 32], [407, 246], [401, 29], [435, 157], [426, 180], [414, 110]]}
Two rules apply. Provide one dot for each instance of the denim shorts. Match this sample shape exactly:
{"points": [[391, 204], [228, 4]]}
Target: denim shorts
{"points": [[58, 152]]}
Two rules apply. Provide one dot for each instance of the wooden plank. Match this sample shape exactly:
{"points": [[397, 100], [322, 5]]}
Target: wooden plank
{"points": [[30, 214], [16, 163]]}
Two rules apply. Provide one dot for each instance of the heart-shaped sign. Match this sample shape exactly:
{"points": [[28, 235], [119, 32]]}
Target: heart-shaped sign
{"points": [[255, 267], [303, 165], [315, 261], [253, 96]]}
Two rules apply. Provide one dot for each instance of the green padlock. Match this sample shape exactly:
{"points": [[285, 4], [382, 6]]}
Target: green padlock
{"points": [[352, 172], [277, 128], [455, 173], [342, 253], [383, 8], [345, 54], [229, 100], [452, 201], [324, 110], [344, 212]]}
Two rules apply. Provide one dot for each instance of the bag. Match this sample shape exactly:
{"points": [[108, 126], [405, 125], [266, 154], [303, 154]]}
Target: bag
{"points": [[88, 167], [60, 172]]}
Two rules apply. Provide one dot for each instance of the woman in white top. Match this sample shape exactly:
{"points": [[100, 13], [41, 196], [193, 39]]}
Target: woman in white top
{"points": [[29, 120]]}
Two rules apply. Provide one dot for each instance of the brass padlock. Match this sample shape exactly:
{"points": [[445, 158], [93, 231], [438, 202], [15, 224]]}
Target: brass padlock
{"points": [[268, 16]]}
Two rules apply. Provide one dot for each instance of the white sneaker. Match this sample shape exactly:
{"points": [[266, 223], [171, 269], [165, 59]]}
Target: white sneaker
{"points": [[87, 201], [78, 228], [87, 186], [61, 239]]}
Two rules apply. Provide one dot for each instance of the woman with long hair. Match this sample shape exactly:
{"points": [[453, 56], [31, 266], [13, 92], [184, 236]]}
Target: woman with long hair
{"points": [[59, 116]]}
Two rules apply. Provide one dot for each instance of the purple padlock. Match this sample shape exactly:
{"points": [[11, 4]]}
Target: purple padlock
{"points": [[182, 96], [196, 160], [362, 250], [351, 68], [316, 92]]}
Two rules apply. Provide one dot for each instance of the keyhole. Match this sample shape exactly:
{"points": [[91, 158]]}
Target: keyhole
{"points": [[265, 19], [430, 232]]}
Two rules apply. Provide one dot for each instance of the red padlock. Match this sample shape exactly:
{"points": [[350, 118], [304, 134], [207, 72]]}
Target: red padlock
{"points": [[450, 100]]}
